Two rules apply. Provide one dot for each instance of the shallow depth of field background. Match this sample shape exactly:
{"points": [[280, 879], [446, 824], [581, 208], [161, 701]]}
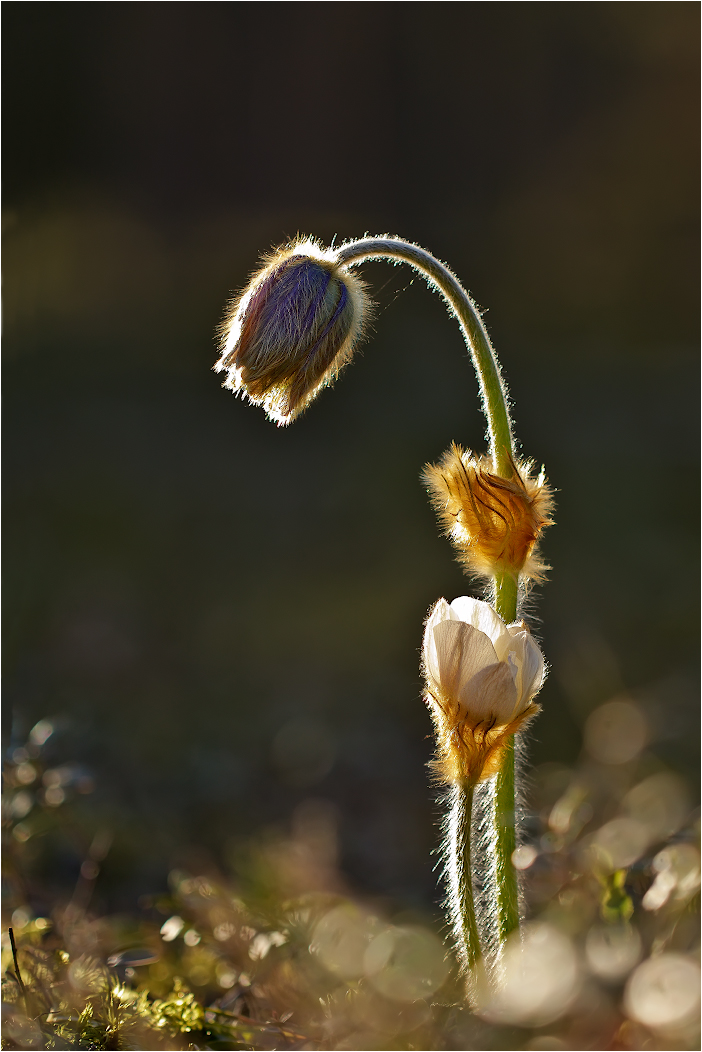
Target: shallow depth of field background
{"points": [[221, 619]]}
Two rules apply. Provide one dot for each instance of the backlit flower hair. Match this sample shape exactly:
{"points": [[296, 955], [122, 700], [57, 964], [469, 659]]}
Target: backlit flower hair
{"points": [[292, 329], [494, 522]]}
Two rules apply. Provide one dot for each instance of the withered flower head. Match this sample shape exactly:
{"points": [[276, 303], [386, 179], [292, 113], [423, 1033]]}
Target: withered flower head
{"points": [[494, 523], [292, 329], [481, 677]]}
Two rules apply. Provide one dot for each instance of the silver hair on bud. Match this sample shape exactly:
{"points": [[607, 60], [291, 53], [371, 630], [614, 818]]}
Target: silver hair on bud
{"points": [[292, 329]]}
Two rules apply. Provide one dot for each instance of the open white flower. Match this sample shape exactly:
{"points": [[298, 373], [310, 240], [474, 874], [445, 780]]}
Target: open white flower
{"points": [[481, 678]]}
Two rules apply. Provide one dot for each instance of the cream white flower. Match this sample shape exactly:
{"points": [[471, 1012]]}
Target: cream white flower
{"points": [[481, 678]]}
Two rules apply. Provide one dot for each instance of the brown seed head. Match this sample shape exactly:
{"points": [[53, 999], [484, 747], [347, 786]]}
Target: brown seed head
{"points": [[292, 329], [494, 523]]}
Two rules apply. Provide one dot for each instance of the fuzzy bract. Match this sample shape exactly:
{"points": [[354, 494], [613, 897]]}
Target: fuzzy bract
{"points": [[494, 522]]}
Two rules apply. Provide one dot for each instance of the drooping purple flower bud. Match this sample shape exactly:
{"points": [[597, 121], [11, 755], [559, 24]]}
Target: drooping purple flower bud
{"points": [[292, 329]]}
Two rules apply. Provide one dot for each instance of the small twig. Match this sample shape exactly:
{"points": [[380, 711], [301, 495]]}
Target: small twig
{"points": [[286, 1031], [18, 974]]}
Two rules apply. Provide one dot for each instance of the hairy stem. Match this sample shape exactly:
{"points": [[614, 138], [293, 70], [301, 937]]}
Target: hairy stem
{"points": [[505, 842], [496, 409], [458, 869], [492, 387]]}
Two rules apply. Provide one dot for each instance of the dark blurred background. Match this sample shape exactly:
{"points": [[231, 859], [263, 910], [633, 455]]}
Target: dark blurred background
{"points": [[221, 620]]}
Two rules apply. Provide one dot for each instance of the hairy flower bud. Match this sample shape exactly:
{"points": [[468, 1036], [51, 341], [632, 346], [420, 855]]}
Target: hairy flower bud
{"points": [[481, 677], [292, 329], [494, 523]]}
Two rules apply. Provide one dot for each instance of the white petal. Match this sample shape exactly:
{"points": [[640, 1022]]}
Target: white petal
{"points": [[462, 651], [482, 616], [529, 661], [534, 672], [431, 659], [438, 613], [515, 659], [491, 694]]}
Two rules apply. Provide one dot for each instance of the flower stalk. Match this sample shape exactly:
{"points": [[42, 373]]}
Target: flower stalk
{"points": [[506, 585], [285, 338], [459, 877], [492, 386], [506, 588]]}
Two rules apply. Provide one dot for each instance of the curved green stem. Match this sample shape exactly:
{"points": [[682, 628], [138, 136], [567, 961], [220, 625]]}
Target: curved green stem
{"points": [[495, 406], [492, 387]]}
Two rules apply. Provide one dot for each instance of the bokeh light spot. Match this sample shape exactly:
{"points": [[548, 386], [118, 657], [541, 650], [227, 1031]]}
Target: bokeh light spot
{"points": [[21, 918], [524, 856], [541, 978], [612, 951], [54, 796], [664, 991], [22, 803], [406, 964], [41, 732], [26, 773], [619, 843], [659, 803], [341, 938], [172, 928], [616, 732], [677, 869]]}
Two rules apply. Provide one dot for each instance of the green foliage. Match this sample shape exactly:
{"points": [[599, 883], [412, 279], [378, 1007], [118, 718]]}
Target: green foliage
{"points": [[179, 1012], [279, 957], [113, 1016], [616, 904]]}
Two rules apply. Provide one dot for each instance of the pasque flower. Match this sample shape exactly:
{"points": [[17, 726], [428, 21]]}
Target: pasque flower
{"points": [[292, 329], [287, 336], [481, 677]]}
